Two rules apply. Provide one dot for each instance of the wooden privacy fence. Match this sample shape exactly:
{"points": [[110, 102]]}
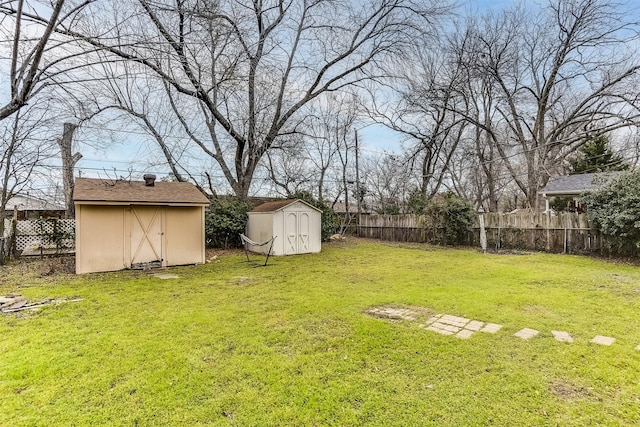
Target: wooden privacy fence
{"points": [[397, 228], [564, 232]]}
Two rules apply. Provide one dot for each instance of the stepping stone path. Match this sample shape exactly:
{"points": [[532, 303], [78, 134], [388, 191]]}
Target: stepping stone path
{"points": [[461, 327], [446, 324]]}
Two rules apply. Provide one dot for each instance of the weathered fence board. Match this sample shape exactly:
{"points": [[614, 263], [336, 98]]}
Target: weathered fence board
{"points": [[565, 232]]}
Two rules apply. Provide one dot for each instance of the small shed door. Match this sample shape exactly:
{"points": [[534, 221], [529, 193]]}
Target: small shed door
{"points": [[291, 233], [303, 232], [146, 234], [297, 225]]}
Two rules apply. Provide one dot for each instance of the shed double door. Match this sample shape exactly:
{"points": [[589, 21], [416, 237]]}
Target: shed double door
{"points": [[296, 226], [147, 234]]}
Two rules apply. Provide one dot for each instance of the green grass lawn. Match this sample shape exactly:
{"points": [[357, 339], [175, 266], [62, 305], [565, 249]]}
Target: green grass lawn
{"points": [[227, 344]]}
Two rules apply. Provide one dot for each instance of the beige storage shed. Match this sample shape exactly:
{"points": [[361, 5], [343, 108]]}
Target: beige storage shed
{"points": [[137, 224], [295, 223]]}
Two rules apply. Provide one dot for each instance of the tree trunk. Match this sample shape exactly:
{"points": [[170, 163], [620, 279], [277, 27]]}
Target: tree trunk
{"points": [[68, 164]]}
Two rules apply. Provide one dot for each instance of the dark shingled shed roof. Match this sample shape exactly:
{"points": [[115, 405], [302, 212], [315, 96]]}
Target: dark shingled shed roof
{"points": [[91, 190], [577, 184]]}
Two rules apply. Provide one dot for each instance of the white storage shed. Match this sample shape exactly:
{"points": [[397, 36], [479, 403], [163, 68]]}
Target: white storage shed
{"points": [[295, 223]]}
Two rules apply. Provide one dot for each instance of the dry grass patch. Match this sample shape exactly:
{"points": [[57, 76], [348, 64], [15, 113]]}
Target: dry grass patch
{"points": [[568, 391]]}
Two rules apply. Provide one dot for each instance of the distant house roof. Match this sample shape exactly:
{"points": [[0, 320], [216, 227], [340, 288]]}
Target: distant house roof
{"points": [[574, 185], [29, 203], [279, 204], [91, 190]]}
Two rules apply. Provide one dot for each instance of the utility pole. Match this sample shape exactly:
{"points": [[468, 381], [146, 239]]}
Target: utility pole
{"points": [[358, 195]]}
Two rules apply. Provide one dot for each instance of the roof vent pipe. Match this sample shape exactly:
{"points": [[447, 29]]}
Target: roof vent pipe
{"points": [[149, 179]]}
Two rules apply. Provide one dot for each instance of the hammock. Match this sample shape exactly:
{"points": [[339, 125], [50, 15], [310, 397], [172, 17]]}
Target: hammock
{"points": [[247, 241]]}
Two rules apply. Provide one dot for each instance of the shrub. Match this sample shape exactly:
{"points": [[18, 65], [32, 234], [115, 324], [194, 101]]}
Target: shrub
{"points": [[417, 202], [453, 215], [225, 221], [615, 210], [51, 232], [562, 204]]}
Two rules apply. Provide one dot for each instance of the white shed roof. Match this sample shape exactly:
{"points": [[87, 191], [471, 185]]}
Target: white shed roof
{"points": [[280, 205]]}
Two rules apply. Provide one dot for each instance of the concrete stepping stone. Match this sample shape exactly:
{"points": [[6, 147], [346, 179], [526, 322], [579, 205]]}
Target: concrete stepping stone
{"points": [[474, 325], [599, 339], [562, 336], [436, 329], [434, 318], [438, 326], [464, 334], [454, 320], [526, 333], [491, 328]]}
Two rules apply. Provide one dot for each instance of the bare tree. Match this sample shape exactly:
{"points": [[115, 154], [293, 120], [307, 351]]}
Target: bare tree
{"points": [[331, 139], [287, 165], [479, 174], [316, 159], [388, 181], [246, 69], [34, 61], [23, 149], [424, 107], [556, 76]]}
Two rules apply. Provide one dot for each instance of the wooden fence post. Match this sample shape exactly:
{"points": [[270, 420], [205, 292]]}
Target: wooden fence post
{"points": [[483, 234]]}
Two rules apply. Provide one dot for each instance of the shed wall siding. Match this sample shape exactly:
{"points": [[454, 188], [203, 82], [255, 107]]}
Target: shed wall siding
{"points": [[100, 238], [260, 229], [184, 236]]}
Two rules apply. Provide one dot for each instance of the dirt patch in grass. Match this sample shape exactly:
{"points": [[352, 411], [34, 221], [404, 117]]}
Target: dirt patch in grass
{"points": [[217, 252], [415, 246], [240, 280], [55, 265], [505, 252], [396, 313], [568, 391], [25, 272], [347, 242]]}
